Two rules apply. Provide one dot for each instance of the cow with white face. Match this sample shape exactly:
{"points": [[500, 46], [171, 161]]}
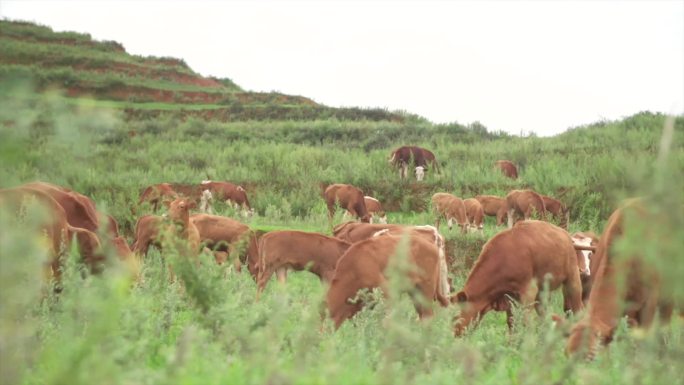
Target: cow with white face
{"points": [[420, 173], [585, 243]]}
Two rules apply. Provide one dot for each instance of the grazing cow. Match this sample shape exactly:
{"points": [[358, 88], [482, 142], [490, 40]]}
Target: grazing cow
{"points": [[475, 213], [55, 227], [355, 232], [229, 193], [414, 156], [298, 250], [80, 210], [150, 230], [222, 234], [557, 210], [363, 267], [515, 264], [522, 204], [584, 243], [156, 194], [507, 168], [374, 208], [452, 209], [623, 285], [348, 197], [493, 206]]}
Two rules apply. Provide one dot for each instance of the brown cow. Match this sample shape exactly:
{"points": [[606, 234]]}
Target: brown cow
{"points": [[507, 168], [514, 264], [494, 206], [222, 234], [374, 208], [475, 214], [156, 194], [452, 209], [229, 193], [298, 250], [522, 204], [584, 242], [80, 209], [363, 267], [151, 229], [557, 210], [348, 197], [414, 156], [640, 297]]}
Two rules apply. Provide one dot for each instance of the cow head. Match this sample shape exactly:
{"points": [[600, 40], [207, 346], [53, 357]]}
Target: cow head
{"points": [[179, 210], [420, 172]]}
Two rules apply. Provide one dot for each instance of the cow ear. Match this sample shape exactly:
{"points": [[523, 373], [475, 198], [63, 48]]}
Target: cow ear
{"points": [[167, 202], [461, 297], [192, 205]]}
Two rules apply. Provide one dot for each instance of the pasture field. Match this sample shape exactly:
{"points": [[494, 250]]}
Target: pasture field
{"points": [[207, 328]]}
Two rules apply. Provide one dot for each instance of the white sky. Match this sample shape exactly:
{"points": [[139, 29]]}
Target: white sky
{"points": [[512, 65]]}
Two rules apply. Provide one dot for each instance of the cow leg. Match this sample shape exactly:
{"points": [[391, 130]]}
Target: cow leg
{"points": [[282, 274], [511, 213], [572, 293], [509, 318], [528, 297]]}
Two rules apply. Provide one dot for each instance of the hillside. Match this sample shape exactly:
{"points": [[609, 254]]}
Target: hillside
{"points": [[102, 73]]}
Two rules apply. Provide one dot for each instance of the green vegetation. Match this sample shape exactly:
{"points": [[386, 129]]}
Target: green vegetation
{"points": [[206, 327]]}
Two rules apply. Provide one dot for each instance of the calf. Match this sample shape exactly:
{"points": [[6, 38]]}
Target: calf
{"points": [[493, 206], [475, 214], [522, 204], [452, 209], [151, 228], [584, 243], [157, 193], [298, 250], [514, 264], [623, 285], [557, 210], [348, 197], [507, 168], [222, 234], [363, 267]]}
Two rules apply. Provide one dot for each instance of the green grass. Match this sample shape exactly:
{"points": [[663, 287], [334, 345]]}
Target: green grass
{"points": [[207, 328]]}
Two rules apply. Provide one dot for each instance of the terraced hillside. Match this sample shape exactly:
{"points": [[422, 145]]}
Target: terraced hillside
{"points": [[102, 73]]}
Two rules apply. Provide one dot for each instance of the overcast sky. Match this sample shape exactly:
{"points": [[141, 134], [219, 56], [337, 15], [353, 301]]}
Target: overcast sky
{"points": [[511, 65]]}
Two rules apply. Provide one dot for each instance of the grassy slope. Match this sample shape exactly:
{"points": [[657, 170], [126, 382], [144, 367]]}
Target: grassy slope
{"points": [[212, 331]]}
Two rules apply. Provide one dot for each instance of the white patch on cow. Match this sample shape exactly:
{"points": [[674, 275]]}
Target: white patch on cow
{"points": [[450, 223], [381, 232], [443, 286], [206, 181], [584, 241], [420, 173], [239, 188], [205, 202], [371, 198]]}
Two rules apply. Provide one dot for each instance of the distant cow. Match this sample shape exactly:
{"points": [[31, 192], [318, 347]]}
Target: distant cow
{"points": [[557, 210], [363, 267], [507, 168], [475, 214], [624, 285], [494, 206], [348, 197], [150, 229], [298, 250], [515, 263], [374, 208], [451, 208], [157, 193], [522, 204], [226, 235], [416, 157], [230, 193]]}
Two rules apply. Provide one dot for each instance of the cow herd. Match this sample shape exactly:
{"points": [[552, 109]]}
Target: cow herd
{"points": [[514, 265]]}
